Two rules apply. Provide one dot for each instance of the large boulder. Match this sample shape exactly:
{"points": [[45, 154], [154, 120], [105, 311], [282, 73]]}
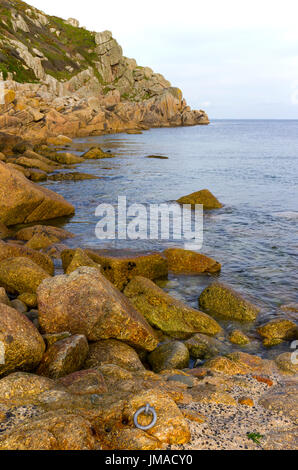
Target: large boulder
{"points": [[221, 300], [172, 355], [22, 201], [111, 351], [64, 357], [20, 275], [85, 302], [204, 197], [120, 271], [14, 250], [186, 261], [23, 345], [277, 331], [169, 315]]}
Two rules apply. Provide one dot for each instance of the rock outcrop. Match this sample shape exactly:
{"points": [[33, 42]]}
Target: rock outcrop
{"points": [[63, 79]]}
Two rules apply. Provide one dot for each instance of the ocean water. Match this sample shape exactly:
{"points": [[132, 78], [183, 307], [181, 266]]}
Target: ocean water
{"points": [[250, 166]]}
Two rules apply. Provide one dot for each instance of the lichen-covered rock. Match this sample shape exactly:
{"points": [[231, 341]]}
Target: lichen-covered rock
{"points": [[50, 339], [29, 299], [84, 382], [204, 347], [34, 163], [42, 241], [186, 261], [27, 202], [106, 312], [24, 385], [23, 345], [73, 176], [204, 197], [120, 271], [276, 331], [172, 355], [80, 258], [14, 250], [4, 231], [221, 300], [96, 153], [111, 351], [59, 140], [64, 357], [19, 275], [3, 297], [169, 315], [56, 430], [27, 233], [67, 158], [238, 337]]}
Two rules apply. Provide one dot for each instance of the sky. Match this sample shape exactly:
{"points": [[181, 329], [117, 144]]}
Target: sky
{"points": [[234, 59]]}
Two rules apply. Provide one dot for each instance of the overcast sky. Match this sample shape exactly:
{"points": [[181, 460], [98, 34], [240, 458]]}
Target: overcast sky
{"points": [[234, 59]]}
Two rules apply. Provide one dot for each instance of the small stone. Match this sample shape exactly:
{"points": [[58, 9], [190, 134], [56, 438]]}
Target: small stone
{"points": [[173, 355], [246, 401], [19, 305], [238, 337]]}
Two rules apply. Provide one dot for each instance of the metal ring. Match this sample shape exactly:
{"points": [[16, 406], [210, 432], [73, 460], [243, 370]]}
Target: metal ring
{"points": [[146, 410]]}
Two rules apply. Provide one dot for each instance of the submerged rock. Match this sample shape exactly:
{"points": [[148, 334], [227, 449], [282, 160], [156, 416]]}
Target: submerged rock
{"points": [[107, 312], [19, 275], [23, 345], [64, 357], [74, 176], [221, 300], [27, 202], [166, 313], [111, 351], [120, 271], [185, 261], [204, 197], [172, 355], [288, 362], [277, 331]]}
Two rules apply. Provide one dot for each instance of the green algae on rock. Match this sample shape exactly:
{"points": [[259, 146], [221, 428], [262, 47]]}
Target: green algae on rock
{"points": [[238, 337], [221, 300], [166, 313]]}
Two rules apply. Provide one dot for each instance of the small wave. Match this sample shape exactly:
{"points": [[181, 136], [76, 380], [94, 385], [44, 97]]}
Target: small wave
{"points": [[287, 215]]}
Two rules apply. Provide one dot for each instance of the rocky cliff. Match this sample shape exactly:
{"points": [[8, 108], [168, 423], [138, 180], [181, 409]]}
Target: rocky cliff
{"points": [[60, 78]]}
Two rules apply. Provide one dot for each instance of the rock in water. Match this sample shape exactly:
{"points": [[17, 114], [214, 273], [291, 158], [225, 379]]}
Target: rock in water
{"points": [[120, 271], [169, 315], [23, 345], [186, 261], [276, 331], [204, 197], [21, 275], [22, 201], [64, 357], [221, 300], [173, 355], [85, 302]]}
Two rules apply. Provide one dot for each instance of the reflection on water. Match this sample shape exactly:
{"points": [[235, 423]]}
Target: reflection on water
{"points": [[251, 166]]}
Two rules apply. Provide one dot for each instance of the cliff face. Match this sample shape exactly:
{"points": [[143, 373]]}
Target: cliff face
{"points": [[65, 79]]}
